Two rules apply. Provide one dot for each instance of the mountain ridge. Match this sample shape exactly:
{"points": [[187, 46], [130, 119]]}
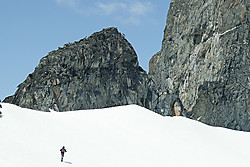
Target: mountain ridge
{"points": [[201, 72]]}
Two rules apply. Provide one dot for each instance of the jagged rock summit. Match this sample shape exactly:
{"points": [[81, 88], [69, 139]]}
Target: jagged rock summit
{"points": [[98, 71]]}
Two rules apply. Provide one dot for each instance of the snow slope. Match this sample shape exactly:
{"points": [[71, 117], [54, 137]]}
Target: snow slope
{"points": [[126, 136]]}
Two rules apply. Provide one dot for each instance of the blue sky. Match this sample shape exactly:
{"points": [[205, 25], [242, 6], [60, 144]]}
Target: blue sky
{"points": [[30, 29]]}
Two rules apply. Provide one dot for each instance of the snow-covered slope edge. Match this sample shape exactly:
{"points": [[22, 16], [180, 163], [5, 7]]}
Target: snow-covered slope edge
{"points": [[126, 136]]}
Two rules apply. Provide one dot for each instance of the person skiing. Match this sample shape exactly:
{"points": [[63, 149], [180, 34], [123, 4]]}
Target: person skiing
{"points": [[63, 150]]}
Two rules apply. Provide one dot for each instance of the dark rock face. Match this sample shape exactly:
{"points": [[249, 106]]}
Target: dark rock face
{"points": [[204, 63], [98, 71]]}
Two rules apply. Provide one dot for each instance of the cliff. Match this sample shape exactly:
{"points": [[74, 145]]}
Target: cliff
{"points": [[204, 63]]}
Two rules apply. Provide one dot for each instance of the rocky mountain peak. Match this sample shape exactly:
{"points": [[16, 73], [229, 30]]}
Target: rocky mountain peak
{"points": [[98, 71]]}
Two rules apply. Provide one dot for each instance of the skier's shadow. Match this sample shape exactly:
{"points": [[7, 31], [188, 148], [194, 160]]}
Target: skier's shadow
{"points": [[67, 162]]}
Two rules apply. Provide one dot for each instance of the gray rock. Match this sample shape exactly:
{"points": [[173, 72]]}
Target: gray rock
{"points": [[204, 61]]}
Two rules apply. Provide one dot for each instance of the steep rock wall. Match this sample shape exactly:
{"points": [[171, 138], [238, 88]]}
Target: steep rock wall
{"points": [[204, 62]]}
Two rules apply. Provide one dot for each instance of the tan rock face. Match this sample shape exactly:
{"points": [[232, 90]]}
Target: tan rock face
{"points": [[177, 109]]}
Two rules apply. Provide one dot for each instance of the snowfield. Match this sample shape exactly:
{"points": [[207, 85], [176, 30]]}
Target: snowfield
{"points": [[125, 136]]}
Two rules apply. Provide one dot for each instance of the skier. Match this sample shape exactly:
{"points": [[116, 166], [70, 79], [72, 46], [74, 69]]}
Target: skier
{"points": [[63, 150]]}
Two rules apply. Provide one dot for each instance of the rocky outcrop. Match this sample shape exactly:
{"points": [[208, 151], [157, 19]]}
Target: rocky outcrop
{"points": [[98, 71], [203, 66]]}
